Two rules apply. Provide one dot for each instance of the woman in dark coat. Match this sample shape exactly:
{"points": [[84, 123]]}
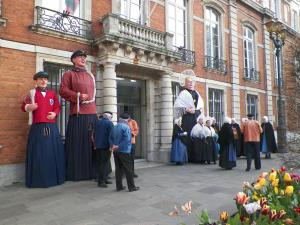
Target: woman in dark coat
{"points": [[238, 142], [178, 151], [199, 152], [267, 138], [227, 158]]}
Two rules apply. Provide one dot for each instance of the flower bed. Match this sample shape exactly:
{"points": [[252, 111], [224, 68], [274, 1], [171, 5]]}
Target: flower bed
{"points": [[273, 199]]}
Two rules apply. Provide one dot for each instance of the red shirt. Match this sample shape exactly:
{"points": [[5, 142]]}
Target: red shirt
{"points": [[78, 81], [46, 104]]}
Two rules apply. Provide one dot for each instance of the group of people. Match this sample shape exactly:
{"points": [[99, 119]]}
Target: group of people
{"points": [[198, 139], [89, 140]]}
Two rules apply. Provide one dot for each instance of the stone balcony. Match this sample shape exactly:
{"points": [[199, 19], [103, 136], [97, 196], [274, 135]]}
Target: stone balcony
{"points": [[128, 40]]}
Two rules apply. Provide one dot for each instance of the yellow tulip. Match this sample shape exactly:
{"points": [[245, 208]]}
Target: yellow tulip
{"points": [[275, 182], [287, 177], [281, 192], [262, 181], [257, 186], [272, 176], [276, 190], [224, 216], [289, 190]]}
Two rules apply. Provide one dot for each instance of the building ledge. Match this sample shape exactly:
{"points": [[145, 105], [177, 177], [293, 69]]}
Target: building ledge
{"points": [[2, 22], [259, 8]]}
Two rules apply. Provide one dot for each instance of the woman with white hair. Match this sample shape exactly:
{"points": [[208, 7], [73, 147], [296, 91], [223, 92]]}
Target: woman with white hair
{"points": [[267, 138], [227, 158], [178, 151], [198, 153]]}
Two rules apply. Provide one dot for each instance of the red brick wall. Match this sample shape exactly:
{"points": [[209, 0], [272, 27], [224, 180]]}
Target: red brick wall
{"points": [[157, 19], [17, 69]]}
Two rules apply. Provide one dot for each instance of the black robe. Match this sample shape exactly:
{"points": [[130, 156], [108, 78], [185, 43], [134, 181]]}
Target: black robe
{"points": [[238, 142], [188, 122], [270, 137], [226, 141]]}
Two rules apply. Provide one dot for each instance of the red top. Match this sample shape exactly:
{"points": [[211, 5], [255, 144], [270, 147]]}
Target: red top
{"points": [[78, 81], [46, 104]]}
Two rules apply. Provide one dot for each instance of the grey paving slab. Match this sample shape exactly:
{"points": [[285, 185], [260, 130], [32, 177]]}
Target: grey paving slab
{"points": [[162, 187]]}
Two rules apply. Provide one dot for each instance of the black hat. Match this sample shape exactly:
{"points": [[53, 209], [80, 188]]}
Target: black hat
{"points": [[109, 112], [124, 116], [40, 74], [78, 53], [250, 115]]}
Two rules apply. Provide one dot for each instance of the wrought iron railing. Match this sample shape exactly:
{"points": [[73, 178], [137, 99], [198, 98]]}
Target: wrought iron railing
{"points": [[251, 74], [63, 22], [215, 64], [187, 56]]}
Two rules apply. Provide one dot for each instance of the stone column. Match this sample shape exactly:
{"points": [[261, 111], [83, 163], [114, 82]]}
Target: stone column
{"points": [[166, 117], [234, 59], [109, 88], [268, 76]]}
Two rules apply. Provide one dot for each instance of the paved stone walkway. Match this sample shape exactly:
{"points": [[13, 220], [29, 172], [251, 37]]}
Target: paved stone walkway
{"points": [[162, 187]]}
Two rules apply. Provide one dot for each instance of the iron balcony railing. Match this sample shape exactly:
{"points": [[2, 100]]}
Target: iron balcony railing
{"points": [[187, 56], [215, 64], [63, 22], [251, 74]]}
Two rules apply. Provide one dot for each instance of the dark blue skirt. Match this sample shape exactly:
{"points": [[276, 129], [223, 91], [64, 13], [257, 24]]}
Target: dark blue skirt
{"points": [[178, 152], [78, 146], [45, 161]]}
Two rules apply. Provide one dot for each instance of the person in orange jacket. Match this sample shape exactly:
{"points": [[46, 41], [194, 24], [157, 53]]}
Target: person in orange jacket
{"points": [[134, 132]]}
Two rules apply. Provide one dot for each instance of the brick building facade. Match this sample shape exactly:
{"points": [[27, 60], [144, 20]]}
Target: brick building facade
{"points": [[140, 51]]}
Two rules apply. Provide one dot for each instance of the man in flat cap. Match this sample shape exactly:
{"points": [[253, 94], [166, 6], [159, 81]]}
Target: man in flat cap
{"points": [[102, 131], [45, 161], [120, 142], [252, 130], [78, 87]]}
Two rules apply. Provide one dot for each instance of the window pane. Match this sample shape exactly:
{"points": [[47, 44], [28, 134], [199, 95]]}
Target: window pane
{"points": [[171, 11], [180, 3], [135, 12], [171, 25], [180, 40]]}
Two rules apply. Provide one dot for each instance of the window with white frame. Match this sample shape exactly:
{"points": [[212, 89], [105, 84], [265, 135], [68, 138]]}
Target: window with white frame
{"points": [[212, 36], [177, 21], [73, 7], [249, 54], [215, 105], [132, 10], [286, 13], [294, 20], [252, 105], [275, 7]]}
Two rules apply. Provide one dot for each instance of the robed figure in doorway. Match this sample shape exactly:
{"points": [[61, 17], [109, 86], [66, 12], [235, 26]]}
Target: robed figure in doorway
{"points": [[189, 106]]}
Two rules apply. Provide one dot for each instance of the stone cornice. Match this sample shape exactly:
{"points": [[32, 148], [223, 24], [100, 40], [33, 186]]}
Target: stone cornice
{"points": [[257, 7]]}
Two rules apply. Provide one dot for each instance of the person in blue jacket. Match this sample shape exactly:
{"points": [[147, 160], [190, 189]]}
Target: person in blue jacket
{"points": [[102, 131], [120, 143]]}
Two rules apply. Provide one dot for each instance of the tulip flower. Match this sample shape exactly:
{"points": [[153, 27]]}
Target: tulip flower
{"points": [[289, 190], [287, 177], [263, 201], [289, 221], [275, 182], [276, 190], [265, 210], [297, 210], [273, 214], [224, 216], [252, 207], [262, 181], [272, 176], [281, 192], [241, 198], [281, 214], [257, 186], [263, 175], [282, 169]]}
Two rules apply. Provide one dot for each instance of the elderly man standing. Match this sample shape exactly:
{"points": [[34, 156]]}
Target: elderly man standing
{"points": [[120, 142], [252, 130]]}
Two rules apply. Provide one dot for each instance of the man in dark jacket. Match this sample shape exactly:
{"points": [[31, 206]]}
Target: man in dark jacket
{"points": [[267, 138], [103, 128]]}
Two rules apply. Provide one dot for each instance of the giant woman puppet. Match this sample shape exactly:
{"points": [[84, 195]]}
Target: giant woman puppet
{"points": [[188, 105]]}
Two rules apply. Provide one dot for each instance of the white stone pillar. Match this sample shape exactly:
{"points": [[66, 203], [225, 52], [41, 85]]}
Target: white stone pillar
{"points": [[269, 103], [166, 117], [234, 60], [109, 89]]}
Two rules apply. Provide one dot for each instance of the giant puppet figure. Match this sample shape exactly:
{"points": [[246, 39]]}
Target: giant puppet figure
{"points": [[188, 105], [78, 87]]}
